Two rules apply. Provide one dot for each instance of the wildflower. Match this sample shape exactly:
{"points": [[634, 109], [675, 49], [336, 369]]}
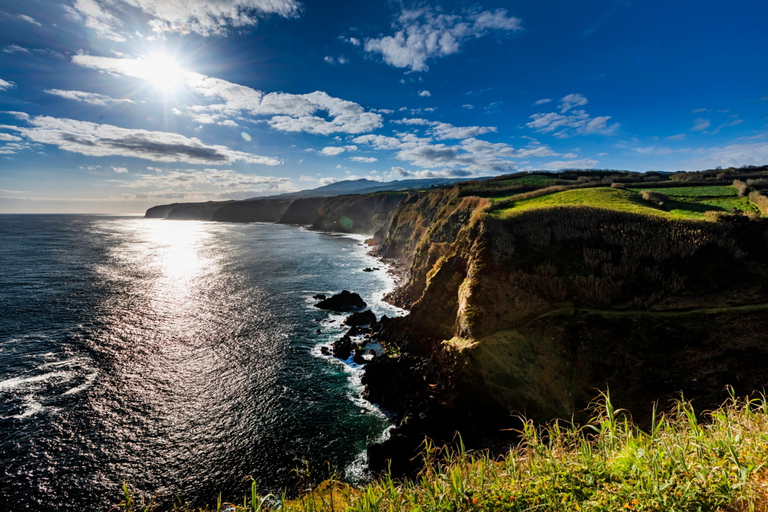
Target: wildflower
{"points": [[474, 501]]}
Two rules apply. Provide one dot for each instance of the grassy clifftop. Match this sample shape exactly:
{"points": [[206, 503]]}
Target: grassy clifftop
{"points": [[528, 302]]}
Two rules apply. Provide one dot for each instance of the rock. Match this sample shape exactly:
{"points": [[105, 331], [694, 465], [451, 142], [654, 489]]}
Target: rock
{"points": [[399, 455], [319, 296], [342, 348], [325, 351], [342, 302], [367, 269], [359, 359], [361, 318]]}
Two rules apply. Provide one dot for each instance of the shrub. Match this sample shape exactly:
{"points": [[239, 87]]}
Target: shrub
{"points": [[654, 198], [742, 187], [760, 201]]}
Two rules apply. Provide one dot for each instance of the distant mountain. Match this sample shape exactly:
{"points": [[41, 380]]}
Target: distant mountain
{"points": [[365, 186]]}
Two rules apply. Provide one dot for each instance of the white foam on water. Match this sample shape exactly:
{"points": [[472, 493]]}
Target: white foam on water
{"points": [[24, 382]]}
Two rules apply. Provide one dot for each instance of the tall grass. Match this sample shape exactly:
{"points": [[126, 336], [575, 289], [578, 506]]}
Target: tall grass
{"points": [[715, 461]]}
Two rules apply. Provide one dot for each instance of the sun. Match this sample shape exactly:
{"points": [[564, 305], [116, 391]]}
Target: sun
{"points": [[161, 70]]}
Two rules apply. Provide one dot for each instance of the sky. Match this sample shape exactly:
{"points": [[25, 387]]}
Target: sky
{"points": [[113, 106]]}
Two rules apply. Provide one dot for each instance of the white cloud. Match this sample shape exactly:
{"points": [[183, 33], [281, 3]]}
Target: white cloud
{"points": [[443, 131], [471, 155], [425, 93], [291, 112], [335, 150], [584, 163], [400, 172], [29, 19], [336, 60], [120, 170], [5, 84], [571, 122], [207, 17], [734, 155], [328, 180], [204, 17], [14, 48], [177, 179], [542, 101], [87, 97], [106, 140], [364, 159], [570, 101], [7, 137], [96, 18], [415, 121], [422, 34], [700, 125]]}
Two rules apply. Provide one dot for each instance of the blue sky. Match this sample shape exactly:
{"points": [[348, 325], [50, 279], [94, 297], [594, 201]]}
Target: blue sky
{"points": [[118, 105]]}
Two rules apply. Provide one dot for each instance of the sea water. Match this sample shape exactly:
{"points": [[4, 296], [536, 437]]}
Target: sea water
{"points": [[180, 357]]}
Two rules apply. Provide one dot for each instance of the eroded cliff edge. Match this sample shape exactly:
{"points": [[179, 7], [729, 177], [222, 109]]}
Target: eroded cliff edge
{"points": [[533, 313]]}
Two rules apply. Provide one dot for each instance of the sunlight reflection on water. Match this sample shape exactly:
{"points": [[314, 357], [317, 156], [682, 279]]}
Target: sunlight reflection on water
{"points": [[177, 356]]}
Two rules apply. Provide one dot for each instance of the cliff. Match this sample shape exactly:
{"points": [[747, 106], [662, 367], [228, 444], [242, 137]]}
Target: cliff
{"points": [[365, 214], [261, 210], [303, 211], [530, 311]]}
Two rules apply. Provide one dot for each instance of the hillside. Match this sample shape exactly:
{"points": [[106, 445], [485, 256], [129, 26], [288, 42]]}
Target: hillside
{"points": [[526, 302]]}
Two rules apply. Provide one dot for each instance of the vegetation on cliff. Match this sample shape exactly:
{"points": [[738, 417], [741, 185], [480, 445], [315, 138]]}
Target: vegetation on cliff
{"points": [[526, 303], [677, 464]]}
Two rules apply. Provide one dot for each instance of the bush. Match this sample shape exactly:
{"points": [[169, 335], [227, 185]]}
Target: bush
{"points": [[742, 187], [654, 198]]}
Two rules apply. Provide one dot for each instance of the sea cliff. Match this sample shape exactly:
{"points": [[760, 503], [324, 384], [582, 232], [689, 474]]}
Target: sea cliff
{"points": [[532, 312]]}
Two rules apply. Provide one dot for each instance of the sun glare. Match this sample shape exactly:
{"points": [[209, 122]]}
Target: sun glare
{"points": [[162, 71]]}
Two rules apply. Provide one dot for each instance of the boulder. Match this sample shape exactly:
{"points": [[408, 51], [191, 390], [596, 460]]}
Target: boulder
{"points": [[361, 318], [342, 348], [342, 302]]}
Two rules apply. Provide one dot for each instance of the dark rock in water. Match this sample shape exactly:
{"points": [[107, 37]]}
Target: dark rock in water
{"points": [[342, 348], [368, 269], [361, 318], [318, 331], [342, 302], [325, 351], [319, 296], [359, 359]]}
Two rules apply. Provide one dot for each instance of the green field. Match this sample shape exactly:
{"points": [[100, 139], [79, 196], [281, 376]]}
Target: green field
{"points": [[687, 203], [702, 191]]}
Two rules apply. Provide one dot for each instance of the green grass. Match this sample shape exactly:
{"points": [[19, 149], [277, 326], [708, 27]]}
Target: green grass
{"points": [[679, 464], [702, 191], [690, 204]]}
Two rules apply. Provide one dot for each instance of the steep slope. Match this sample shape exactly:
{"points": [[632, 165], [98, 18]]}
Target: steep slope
{"points": [[532, 312]]}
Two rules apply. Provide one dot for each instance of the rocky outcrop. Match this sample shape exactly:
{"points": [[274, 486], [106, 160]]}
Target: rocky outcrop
{"points": [[342, 302], [361, 318]]}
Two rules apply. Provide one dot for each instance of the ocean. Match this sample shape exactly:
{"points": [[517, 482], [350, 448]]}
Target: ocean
{"points": [[180, 357]]}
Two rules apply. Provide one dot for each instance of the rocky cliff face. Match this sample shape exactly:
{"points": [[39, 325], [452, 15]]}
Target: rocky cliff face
{"points": [[535, 313], [261, 210], [365, 214]]}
